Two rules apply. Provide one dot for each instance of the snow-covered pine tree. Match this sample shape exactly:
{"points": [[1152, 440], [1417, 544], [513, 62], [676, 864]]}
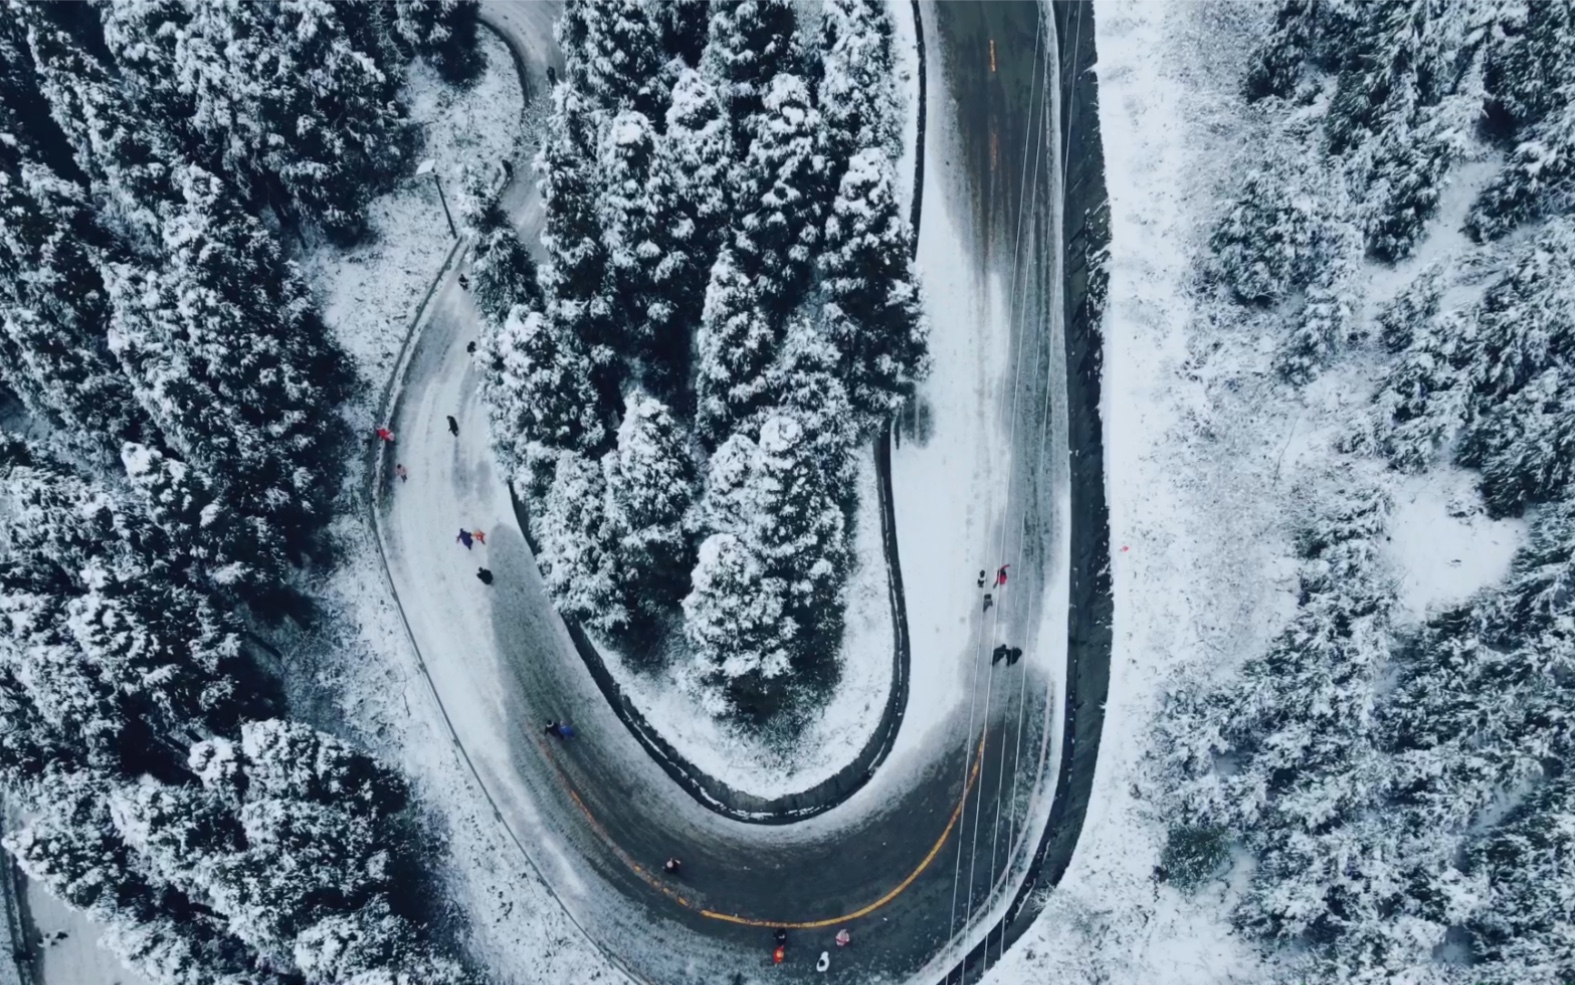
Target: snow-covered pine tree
{"points": [[750, 43], [115, 649], [1521, 933], [1419, 407], [796, 529], [652, 280], [1325, 327], [1297, 729], [53, 313], [288, 828], [126, 161], [874, 313], [503, 275], [71, 848], [1408, 95], [1529, 72], [230, 555], [578, 550], [736, 620], [443, 32], [806, 381], [574, 277], [539, 396], [1414, 307], [613, 55], [229, 359], [784, 190], [737, 343], [684, 25], [1520, 428], [722, 508], [1277, 235], [652, 487], [276, 97], [857, 94], [695, 161]]}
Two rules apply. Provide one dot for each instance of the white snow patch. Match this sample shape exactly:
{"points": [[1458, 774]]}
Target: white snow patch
{"points": [[68, 947], [1443, 546]]}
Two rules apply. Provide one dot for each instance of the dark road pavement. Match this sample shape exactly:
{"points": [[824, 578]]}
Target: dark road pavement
{"points": [[909, 861]]}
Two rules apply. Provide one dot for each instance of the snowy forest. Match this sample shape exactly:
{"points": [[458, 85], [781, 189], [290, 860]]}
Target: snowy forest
{"points": [[179, 393], [1397, 795], [726, 314]]}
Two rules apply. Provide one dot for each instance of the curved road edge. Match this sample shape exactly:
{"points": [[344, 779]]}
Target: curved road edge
{"points": [[708, 791], [1085, 242]]}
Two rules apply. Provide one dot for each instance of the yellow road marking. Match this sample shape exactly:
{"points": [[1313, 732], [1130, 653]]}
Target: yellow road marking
{"points": [[734, 918]]}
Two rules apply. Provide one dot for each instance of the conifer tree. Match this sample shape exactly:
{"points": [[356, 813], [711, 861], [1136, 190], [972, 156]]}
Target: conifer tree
{"points": [[578, 546], [856, 95], [652, 488], [503, 275], [229, 359], [444, 33], [749, 44], [784, 192], [875, 313], [696, 163], [54, 315], [737, 343], [736, 619]]}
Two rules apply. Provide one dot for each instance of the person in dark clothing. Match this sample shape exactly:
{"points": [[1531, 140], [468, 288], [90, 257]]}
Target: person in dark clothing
{"points": [[485, 574], [998, 653], [989, 600], [470, 347], [453, 426], [671, 866], [553, 728], [465, 538], [464, 282], [981, 577], [780, 935], [1013, 655]]}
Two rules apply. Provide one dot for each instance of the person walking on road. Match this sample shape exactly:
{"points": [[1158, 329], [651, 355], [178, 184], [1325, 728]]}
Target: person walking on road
{"points": [[464, 538], [386, 435], [485, 574], [843, 937], [553, 728], [997, 654], [481, 537], [981, 577], [453, 426], [989, 600], [671, 866], [1013, 655], [470, 347], [1000, 575], [399, 470]]}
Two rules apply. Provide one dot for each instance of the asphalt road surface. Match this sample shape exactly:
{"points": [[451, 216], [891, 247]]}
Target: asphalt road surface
{"points": [[905, 870]]}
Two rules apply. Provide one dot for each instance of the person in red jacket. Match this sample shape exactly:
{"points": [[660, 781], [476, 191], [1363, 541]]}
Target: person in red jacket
{"points": [[385, 434], [1000, 575]]}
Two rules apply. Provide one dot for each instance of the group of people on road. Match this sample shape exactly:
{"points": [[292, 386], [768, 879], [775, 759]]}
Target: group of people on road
{"points": [[779, 953], [466, 537], [1011, 654]]}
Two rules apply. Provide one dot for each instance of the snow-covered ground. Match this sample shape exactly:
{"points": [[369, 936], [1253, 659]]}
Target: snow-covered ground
{"points": [[1208, 462], [369, 293], [69, 953]]}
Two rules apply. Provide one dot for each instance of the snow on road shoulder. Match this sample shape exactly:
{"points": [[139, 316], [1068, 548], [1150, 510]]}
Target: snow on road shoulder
{"points": [[1196, 536], [905, 48], [368, 293]]}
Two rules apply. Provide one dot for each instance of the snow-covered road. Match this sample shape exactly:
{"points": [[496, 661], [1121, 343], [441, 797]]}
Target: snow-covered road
{"points": [[940, 836]]}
